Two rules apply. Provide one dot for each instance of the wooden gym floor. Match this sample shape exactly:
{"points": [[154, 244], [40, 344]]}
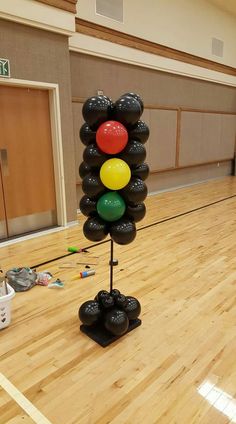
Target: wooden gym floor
{"points": [[178, 367]]}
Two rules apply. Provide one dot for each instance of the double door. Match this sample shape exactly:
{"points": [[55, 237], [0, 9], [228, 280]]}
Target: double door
{"points": [[27, 186]]}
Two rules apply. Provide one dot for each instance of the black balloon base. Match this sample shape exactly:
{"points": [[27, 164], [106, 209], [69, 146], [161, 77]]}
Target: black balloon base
{"points": [[100, 335]]}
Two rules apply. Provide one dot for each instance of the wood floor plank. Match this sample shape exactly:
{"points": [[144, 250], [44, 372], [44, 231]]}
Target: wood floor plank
{"points": [[183, 273]]}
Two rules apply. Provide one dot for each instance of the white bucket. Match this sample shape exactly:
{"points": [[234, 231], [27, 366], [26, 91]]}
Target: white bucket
{"points": [[5, 306]]}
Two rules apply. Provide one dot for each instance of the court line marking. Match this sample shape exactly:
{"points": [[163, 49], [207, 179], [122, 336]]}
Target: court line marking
{"points": [[22, 401], [186, 213], [141, 228]]}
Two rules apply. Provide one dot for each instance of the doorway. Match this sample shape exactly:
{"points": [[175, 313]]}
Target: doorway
{"points": [[27, 184]]}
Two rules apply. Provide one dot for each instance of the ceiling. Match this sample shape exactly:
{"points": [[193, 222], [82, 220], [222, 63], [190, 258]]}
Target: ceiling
{"points": [[226, 5]]}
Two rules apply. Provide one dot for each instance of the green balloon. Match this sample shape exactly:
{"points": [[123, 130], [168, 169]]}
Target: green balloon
{"points": [[111, 206]]}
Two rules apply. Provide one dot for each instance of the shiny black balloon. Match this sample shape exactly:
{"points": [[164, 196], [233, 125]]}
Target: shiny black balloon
{"points": [[95, 229], [140, 171], [92, 185], [87, 135], [132, 307], [101, 294], [137, 97], [84, 169], [121, 301], [107, 98], [96, 111], [87, 206], [107, 302], [90, 312], [123, 231], [116, 322], [136, 212], [135, 191], [115, 293], [93, 156], [139, 132], [127, 110], [134, 153]]}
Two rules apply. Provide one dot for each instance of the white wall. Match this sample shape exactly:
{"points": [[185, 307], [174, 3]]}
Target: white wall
{"points": [[186, 25], [36, 14]]}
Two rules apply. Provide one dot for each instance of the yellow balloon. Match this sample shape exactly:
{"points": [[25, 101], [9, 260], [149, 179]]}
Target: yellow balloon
{"points": [[115, 174]]}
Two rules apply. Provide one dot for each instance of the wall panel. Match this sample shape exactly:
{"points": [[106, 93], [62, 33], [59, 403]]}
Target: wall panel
{"points": [[187, 176], [162, 140], [147, 118], [79, 147], [206, 137], [228, 135]]}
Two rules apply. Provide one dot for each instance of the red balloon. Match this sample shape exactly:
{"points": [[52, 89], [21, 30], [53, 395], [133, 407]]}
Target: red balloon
{"points": [[111, 137]]}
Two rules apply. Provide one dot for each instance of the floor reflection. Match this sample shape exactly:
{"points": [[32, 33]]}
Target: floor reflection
{"points": [[221, 400]]}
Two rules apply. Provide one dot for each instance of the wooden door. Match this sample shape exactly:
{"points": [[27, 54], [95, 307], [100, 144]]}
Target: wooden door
{"points": [[27, 159]]}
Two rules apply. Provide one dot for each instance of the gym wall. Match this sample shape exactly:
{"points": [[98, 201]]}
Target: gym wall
{"points": [[186, 25], [192, 122], [43, 56]]}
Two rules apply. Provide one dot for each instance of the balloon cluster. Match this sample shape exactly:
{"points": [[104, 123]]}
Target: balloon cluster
{"points": [[113, 169], [114, 310]]}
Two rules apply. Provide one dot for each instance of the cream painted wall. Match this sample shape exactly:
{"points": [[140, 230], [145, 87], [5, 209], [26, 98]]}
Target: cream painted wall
{"points": [[36, 14], [186, 25], [96, 47]]}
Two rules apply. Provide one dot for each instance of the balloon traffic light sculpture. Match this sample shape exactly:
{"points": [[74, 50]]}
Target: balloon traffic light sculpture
{"points": [[113, 173]]}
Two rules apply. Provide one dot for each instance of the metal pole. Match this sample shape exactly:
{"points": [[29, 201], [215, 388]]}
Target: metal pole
{"points": [[111, 267]]}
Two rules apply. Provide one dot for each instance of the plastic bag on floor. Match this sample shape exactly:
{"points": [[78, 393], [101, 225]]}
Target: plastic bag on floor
{"points": [[43, 278], [21, 279]]}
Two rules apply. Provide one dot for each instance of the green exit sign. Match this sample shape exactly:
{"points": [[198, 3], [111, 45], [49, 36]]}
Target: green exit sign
{"points": [[4, 68]]}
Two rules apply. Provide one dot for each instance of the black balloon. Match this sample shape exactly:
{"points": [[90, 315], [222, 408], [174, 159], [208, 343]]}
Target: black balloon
{"points": [[93, 156], [123, 231], [132, 307], [87, 135], [107, 302], [134, 153], [84, 169], [139, 132], [121, 301], [137, 97], [90, 312], [136, 212], [115, 293], [101, 295], [96, 111], [116, 322], [92, 185], [141, 171], [87, 206], [95, 229], [107, 98], [135, 191], [127, 110]]}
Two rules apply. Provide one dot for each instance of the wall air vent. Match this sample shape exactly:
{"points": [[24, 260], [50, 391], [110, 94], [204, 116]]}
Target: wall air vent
{"points": [[217, 47], [110, 8]]}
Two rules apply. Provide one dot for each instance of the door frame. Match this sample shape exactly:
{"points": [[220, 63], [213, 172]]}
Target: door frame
{"points": [[55, 119]]}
